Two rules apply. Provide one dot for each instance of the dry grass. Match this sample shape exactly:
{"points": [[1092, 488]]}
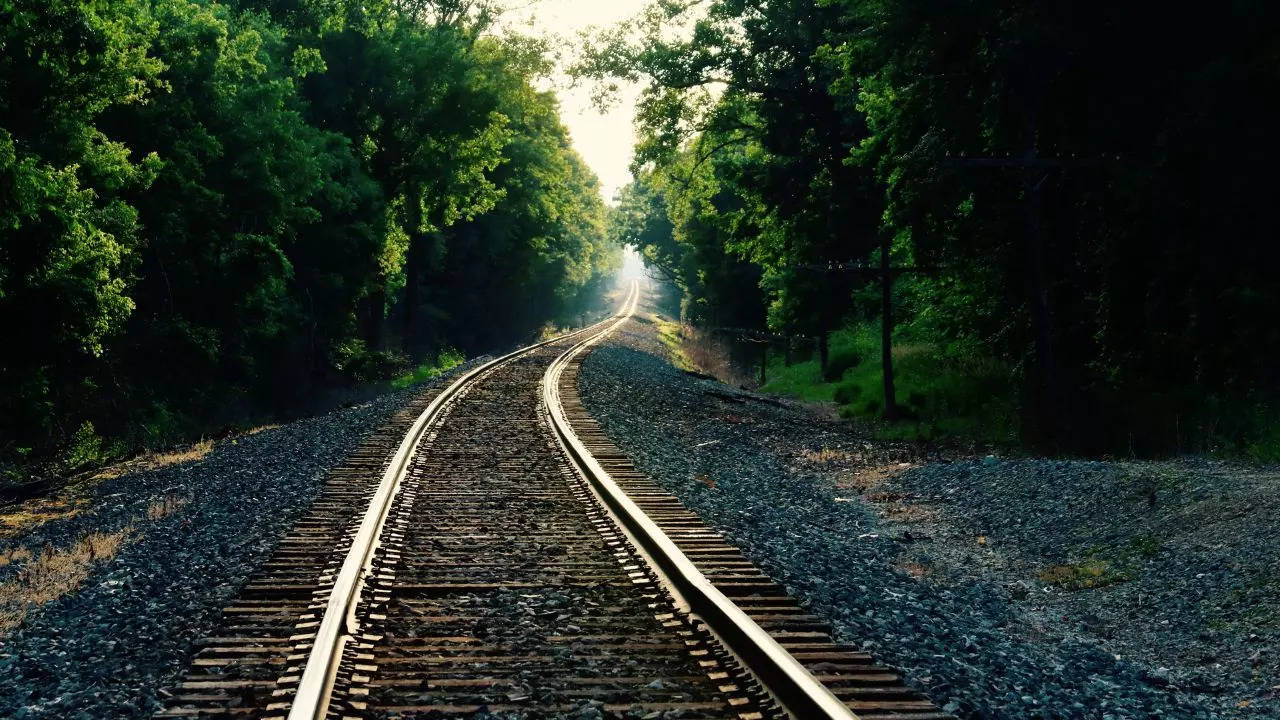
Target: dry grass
{"points": [[52, 573], [154, 461], [910, 513], [715, 355], [827, 456], [15, 519], [672, 337], [48, 574], [912, 568], [71, 500], [261, 428], [164, 507], [8, 556], [1092, 573]]}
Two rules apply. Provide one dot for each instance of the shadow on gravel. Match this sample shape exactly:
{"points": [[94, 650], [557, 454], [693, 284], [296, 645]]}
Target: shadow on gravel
{"points": [[103, 650], [937, 568]]}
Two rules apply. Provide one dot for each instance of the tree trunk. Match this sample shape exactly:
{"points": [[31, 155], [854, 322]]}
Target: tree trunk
{"points": [[886, 330], [414, 272], [415, 259], [1045, 406], [824, 351], [371, 317]]}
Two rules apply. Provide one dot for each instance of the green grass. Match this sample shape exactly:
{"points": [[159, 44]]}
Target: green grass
{"points": [[1084, 575], [939, 395], [446, 360], [671, 335]]}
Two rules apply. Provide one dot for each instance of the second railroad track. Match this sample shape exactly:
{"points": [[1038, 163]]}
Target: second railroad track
{"points": [[489, 553]]}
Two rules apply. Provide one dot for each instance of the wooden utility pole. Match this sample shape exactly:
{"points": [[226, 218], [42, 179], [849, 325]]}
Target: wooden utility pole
{"points": [[764, 363], [1035, 173], [886, 330]]}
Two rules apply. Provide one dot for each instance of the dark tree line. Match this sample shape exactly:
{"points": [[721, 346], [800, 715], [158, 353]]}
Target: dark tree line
{"points": [[1081, 189], [211, 210]]}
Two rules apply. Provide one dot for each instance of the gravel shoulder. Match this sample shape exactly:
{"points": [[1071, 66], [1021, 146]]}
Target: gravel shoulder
{"points": [[1010, 588], [105, 649]]}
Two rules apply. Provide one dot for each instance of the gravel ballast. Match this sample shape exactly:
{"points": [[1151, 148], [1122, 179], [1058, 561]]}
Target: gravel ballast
{"points": [[107, 649], [937, 567]]}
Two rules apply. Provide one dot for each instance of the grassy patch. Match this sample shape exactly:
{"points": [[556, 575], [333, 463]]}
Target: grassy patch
{"points": [[155, 461], [1103, 566], [15, 519], [446, 360], [45, 575], [671, 335], [164, 507], [50, 574], [1084, 575], [939, 394]]}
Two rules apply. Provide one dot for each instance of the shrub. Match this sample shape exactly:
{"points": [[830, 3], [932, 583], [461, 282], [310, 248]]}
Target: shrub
{"points": [[840, 361]]}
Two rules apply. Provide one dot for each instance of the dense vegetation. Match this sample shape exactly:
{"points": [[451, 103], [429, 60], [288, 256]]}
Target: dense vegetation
{"points": [[1071, 196], [211, 210]]}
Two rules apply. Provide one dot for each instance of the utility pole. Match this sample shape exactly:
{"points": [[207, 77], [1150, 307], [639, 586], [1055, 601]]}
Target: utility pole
{"points": [[1035, 173], [886, 329]]}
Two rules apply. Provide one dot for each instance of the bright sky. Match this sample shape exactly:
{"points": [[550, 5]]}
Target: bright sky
{"points": [[604, 141]]}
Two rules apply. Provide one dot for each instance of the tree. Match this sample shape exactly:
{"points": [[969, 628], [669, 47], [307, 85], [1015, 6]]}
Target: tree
{"points": [[66, 232], [212, 209], [747, 82]]}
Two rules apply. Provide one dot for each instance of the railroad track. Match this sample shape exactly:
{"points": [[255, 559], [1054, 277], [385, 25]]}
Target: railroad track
{"points": [[489, 553]]}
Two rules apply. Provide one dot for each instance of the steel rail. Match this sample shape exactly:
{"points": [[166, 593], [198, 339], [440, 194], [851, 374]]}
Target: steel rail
{"points": [[339, 624], [795, 689]]}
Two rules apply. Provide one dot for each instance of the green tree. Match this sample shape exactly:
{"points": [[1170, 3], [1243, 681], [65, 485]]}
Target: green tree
{"points": [[66, 231]]}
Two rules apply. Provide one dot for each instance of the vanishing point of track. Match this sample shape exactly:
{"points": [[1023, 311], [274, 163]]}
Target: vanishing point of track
{"points": [[488, 553]]}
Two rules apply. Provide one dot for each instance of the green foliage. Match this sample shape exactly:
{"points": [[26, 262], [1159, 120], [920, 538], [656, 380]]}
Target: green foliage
{"points": [[1075, 192], [842, 358], [753, 178], [85, 448], [211, 210], [943, 395], [446, 360], [66, 234]]}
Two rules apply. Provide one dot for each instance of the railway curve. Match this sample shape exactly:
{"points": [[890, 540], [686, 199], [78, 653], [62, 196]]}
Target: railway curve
{"points": [[490, 554]]}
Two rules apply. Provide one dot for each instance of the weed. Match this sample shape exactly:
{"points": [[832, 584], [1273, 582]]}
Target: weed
{"points": [[16, 519], [9, 556], [154, 461], [445, 360], [85, 448], [912, 568], [939, 394], [671, 335], [1145, 546], [827, 455], [164, 507], [50, 574], [1085, 575]]}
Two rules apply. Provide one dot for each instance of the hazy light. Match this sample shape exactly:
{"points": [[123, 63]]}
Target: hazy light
{"points": [[604, 141], [632, 265]]}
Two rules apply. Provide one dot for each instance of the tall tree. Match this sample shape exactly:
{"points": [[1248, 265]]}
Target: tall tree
{"points": [[66, 232]]}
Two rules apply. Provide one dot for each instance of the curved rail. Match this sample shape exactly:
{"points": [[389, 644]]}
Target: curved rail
{"points": [[339, 623], [794, 688]]}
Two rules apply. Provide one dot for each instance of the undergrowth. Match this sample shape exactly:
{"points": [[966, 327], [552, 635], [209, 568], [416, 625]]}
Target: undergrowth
{"points": [[941, 392], [671, 335], [444, 361]]}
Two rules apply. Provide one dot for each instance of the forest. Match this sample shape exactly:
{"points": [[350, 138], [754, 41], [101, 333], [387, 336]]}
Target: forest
{"points": [[1041, 224], [214, 211], [1049, 217]]}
